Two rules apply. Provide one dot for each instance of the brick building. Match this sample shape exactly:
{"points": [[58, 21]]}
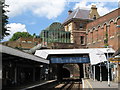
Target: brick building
{"points": [[76, 24], [89, 30], [23, 43], [104, 31]]}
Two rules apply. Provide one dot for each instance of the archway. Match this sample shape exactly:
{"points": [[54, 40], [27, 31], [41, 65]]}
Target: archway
{"points": [[73, 69], [65, 73]]}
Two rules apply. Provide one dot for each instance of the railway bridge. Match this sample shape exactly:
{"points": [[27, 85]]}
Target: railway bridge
{"points": [[72, 63]]}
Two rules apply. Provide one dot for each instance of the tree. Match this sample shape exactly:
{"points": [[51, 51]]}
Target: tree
{"points": [[34, 35], [17, 35], [4, 21]]}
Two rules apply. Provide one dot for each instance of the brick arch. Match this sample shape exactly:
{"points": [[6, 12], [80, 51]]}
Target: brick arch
{"points": [[111, 29], [116, 20], [94, 34], [74, 69], [99, 32], [112, 20], [104, 30], [88, 30], [105, 23], [94, 28], [88, 36], [91, 35], [98, 26]]}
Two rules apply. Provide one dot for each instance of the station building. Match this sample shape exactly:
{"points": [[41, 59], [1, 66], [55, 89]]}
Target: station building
{"points": [[87, 29]]}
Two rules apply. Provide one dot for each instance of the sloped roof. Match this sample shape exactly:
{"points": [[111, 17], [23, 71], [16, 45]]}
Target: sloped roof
{"points": [[15, 52], [78, 14]]}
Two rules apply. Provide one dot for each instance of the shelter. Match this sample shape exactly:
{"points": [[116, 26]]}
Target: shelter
{"points": [[20, 68]]}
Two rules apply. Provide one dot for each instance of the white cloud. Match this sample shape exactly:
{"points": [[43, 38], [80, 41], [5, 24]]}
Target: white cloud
{"points": [[47, 8], [93, 0], [15, 27], [102, 10]]}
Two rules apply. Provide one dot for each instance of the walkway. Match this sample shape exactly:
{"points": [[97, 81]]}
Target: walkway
{"points": [[89, 83]]}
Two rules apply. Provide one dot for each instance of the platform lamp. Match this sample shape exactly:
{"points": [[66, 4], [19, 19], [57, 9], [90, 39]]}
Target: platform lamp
{"points": [[100, 70], [108, 64], [108, 67]]}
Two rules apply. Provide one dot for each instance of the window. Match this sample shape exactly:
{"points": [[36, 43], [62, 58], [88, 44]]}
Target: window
{"points": [[82, 40], [29, 41], [81, 25], [23, 41], [94, 17]]}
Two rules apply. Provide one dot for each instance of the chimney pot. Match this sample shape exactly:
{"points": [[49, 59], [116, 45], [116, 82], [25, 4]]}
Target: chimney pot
{"points": [[93, 7], [69, 12]]}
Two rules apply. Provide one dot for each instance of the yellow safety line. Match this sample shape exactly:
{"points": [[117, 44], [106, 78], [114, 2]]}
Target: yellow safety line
{"points": [[89, 84]]}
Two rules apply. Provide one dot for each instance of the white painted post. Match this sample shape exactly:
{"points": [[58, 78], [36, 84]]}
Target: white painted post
{"points": [[100, 74], [94, 72], [84, 71]]}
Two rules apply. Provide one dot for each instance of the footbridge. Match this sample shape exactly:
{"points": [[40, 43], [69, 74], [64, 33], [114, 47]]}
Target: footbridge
{"points": [[72, 63]]}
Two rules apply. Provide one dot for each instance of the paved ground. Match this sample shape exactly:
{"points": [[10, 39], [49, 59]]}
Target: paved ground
{"points": [[103, 84]]}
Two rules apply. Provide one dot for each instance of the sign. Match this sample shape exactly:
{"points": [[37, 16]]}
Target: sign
{"points": [[70, 60]]}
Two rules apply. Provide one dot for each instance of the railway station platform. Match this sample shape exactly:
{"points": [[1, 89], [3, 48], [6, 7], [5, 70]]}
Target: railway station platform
{"points": [[31, 86], [95, 85]]}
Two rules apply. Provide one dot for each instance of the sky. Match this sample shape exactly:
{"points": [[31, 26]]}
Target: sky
{"points": [[35, 15]]}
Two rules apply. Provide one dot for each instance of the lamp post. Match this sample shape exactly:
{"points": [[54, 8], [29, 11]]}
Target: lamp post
{"points": [[108, 67]]}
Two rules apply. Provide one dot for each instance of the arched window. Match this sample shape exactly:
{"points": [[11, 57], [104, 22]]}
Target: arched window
{"points": [[105, 31], [88, 37], [94, 36], [112, 29], [99, 33]]}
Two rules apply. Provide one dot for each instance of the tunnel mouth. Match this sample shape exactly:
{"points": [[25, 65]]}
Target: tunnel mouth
{"points": [[65, 73]]}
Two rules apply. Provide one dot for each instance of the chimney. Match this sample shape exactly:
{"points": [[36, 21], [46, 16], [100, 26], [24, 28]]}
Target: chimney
{"points": [[93, 7], [93, 12], [69, 12]]}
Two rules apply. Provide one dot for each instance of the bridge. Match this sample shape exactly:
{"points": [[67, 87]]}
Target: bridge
{"points": [[63, 62]]}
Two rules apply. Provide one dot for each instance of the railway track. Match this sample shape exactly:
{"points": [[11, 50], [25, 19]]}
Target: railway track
{"points": [[72, 85], [64, 85]]}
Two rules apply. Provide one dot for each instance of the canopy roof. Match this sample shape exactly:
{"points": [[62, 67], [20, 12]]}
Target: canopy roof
{"points": [[15, 52], [44, 53]]}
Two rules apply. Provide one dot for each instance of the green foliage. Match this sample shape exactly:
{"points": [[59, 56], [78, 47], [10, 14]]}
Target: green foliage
{"points": [[4, 22], [17, 35], [106, 40], [106, 45]]}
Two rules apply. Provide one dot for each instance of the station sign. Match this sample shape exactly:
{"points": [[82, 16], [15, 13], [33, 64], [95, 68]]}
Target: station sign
{"points": [[70, 60]]}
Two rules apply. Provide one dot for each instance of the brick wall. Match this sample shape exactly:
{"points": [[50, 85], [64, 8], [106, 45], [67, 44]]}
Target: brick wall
{"points": [[105, 30]]}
